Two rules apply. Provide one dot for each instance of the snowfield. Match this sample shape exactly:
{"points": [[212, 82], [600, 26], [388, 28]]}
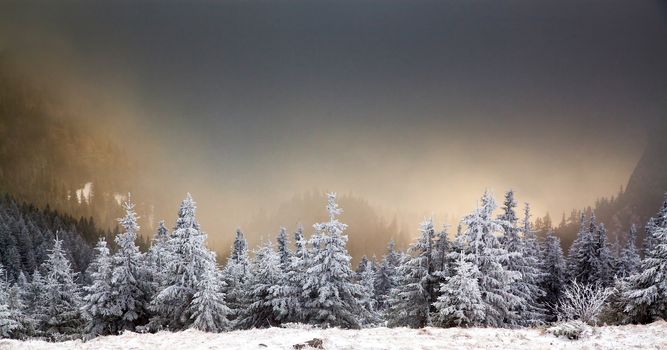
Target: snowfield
{"points": [[652, 336]]}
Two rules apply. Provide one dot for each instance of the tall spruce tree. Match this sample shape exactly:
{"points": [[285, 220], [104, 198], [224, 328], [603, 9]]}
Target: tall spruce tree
{"points": [[554, 279], [460, 302], [62, 298], [410, 301], [646, 290], [261, 310], [99, 303], [129, 276], [191, 261], [480, 242], [333, 296], [235, 274], [629, 259]]}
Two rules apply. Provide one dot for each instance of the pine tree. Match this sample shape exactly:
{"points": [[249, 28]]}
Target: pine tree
{"points": [[34, 301], [99, 308], [629, 256], [283, 248], [646, 290], [288, 299], [158, 258], [190, 261], [333, 296], [129, 277], [235, 274], [8, 323], [368, 301], [410, 301], [583, 252], [208, 304], [361, 267], [523, 262], [62, 300], [480, 242], [603, 262], [460, 302], [440, 261], [555, 275], [262, 309], [385, 277]]}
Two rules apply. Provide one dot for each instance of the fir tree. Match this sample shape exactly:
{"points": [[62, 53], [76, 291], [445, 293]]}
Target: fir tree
{"points": [[129, 277], [481, 243], [209, 310], [99, 308], [333, 297], [629, 259], [159, 257], [583, 253], [646, 290], [385, 277], [288, 299], [262, 309], [555, 275], [410, 301], [235, 274], [460, 302], [190, 261], [283, 248], [8, 323], [62, 300]]}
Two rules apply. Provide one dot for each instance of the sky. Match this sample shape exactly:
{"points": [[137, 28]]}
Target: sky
{"points": [[416, 106]]}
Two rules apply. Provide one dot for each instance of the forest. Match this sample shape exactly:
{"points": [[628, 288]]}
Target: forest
{"points": [[491, 271]]}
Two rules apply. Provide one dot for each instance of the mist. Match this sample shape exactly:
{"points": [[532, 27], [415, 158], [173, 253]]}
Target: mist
{"points": [[412, 110]]}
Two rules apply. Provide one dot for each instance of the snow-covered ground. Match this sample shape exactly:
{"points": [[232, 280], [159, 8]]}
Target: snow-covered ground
{"points": [[652, 336]]}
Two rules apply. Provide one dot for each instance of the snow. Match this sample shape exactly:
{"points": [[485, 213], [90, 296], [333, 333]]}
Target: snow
{"points": [[612, 337]]}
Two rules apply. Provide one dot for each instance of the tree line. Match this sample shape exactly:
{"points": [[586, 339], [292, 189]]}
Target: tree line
{"points": [[493, 272]]}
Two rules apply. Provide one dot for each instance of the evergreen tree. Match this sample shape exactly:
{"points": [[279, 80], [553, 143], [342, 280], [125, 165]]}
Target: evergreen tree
{"points": [[385, 277], [235, 274], [333, 297], [368, 301], [61, 299], [8, 323], [283, 248], [410, 301], [603, 262], [34, 301], [523, 262], [629, 259], [361, 267], [646, 290], [288, 299], [480, 242], [99, 308], [460, 302], [158, 258], [209, 310], [555, 275], [262, 309], [583, 253], [129, 277], [190, 261]]}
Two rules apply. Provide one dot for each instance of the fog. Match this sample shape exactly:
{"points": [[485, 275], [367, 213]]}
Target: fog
{"points": [[414, 110]]}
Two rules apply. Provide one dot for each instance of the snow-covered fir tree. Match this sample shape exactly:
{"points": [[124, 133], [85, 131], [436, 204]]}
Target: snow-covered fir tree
{"points": [[602, 265], [654, 223], [235, 274], [480, 242], [440, 261], [410, 301], [555, 275], [129, 276], [361, 267], [385, 277], [460, 302], [8, 322], [158, 257], [209, 310], [333, 297], [283, 248], [646, 290], [629, 259], [288, 299], [190, 260], [583, 253], [368, 301], [34, 301], [522, 261], [99, 302], [62, 298], [262, 310]]}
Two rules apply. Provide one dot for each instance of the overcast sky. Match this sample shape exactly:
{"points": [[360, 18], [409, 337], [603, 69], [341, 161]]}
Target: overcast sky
{"points": [[417, 106]]}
